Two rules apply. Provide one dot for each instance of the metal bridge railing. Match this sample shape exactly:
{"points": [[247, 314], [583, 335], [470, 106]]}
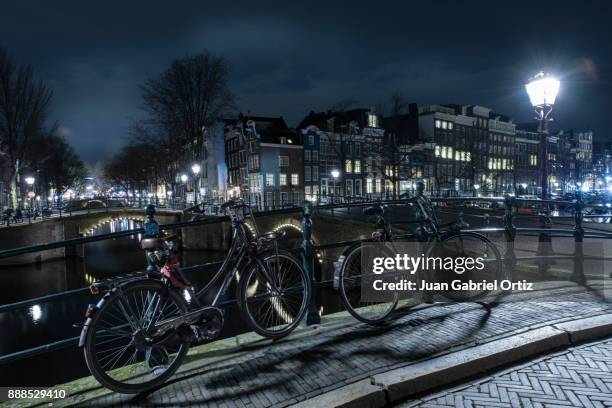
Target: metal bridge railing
{"points": [[308, 249]]}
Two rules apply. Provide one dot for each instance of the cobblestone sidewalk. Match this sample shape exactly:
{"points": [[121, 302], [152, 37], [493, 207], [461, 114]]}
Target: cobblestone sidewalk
{"points": [[281, 373], [578, 377]]}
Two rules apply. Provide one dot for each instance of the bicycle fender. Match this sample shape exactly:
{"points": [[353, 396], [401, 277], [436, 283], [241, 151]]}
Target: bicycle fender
{"points": [[91, 311]]}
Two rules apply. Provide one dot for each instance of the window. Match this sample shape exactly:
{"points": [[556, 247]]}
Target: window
{"points": [[348, 166], [533, 159], [450, 125], [369, 186], [282, 179], [315, 173], [284, 197], [296, 197], [372, 120], [349, 187], [307, 155], [438, 123], [357, 166], [315, 155], [307, 173], [378, 188], [295, 179], [269, 179], [311, 140], [269, 199], [283, 161], [444, 124]]}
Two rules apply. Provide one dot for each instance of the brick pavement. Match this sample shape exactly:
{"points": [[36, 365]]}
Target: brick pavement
{"points": [[278, 374], [578, 377]]}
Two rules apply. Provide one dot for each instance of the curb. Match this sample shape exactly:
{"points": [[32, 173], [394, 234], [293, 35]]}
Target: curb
{"points": [[397, 385]]}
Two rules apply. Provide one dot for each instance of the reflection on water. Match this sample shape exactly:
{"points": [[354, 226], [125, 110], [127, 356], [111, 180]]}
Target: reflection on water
{"points": [[49, 322]]}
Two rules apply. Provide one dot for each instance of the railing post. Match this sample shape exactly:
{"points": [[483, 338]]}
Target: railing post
{"points": [[544, 245], [578, 275], [151, 228], [312, 317], [510, 233]]}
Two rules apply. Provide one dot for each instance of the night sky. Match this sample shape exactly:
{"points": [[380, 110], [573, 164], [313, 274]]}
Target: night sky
{"points": [[288, 59]]}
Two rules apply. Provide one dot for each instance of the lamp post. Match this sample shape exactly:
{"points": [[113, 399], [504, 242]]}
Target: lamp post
{"points": [[30, 182], [184, 179], [196, 171], [542, 90], [335, 173]]}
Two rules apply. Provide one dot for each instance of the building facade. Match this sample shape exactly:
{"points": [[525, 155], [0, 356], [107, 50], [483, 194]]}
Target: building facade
{"points": [[265, 161], [339, 154]]}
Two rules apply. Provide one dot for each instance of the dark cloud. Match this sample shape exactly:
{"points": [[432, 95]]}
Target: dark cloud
{"points": [[288, 58]]}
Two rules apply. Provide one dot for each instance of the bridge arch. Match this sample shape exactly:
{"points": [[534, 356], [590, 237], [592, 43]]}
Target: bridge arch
{"points": [[90, 228]]}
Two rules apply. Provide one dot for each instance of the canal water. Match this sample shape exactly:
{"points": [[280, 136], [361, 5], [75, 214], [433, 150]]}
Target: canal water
{"points": [[53, 321]]}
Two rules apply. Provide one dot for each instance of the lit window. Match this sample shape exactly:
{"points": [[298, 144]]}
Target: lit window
{"points": [[269, 179], [348, 166], [295, 179], [357, 166], [372, 120], [437, 151], [438, 124], [444, 124], [450, 125], [369, 186], [282, 181]]}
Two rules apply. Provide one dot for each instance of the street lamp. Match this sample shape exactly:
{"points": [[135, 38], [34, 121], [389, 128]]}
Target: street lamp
{"points": [[30, 182], [542, 90], [476, 188], [335, 173], [196, 171]]}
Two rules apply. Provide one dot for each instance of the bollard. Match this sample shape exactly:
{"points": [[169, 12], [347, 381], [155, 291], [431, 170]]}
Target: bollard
{"points": [[312, 317], [544, 245], [510, 234], [578, 275], [151, 228]]}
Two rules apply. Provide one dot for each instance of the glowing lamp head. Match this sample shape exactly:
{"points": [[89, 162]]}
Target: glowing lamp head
{"points": [[29, 180], [476, 186], [195, 168], [184, 178], [542, 89], [335, 173]]}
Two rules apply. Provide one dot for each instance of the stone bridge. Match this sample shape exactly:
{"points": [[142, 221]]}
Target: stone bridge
{"points": [[327, 227], [59, 229]]}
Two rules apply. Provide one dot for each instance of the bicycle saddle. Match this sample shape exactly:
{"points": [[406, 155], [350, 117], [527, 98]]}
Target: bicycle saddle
{"points": [[271, 236], [234, 202], [375, 209], [154, 243]]}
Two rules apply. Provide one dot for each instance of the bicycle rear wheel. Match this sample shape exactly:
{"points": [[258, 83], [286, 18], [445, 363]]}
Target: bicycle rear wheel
{"points": [[352, 278], [117, 350], [274, 309]]}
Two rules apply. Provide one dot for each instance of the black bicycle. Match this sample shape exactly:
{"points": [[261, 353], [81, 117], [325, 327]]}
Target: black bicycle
{"points": [[436, 243], [137, 335]]}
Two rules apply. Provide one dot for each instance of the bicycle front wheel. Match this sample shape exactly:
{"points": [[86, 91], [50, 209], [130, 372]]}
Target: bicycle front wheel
{"points": [[118, 350], [485, 266], [352, 279], [274, 301]]}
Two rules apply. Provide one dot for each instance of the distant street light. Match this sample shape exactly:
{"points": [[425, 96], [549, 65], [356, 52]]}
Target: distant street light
{"points": [[196, 171], [184, 178], [29, 180], [476, 188], [542, 90], [335, 173]]}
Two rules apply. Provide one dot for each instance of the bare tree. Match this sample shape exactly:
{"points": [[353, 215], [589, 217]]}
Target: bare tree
{"points": [[191, 94], [24, 104]]}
